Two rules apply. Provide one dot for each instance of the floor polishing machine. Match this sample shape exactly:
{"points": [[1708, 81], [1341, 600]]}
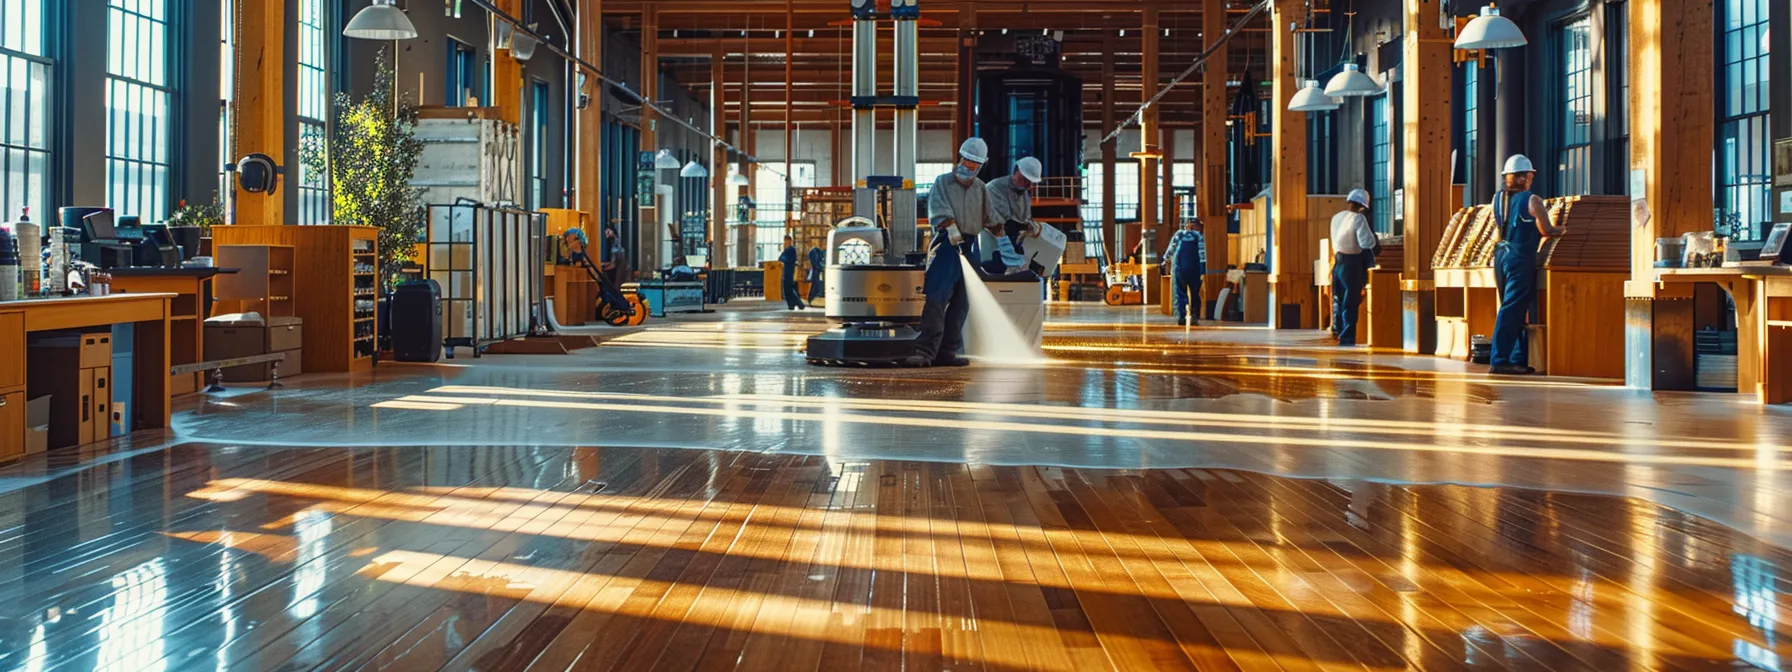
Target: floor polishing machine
{"points": [[876, 305]]}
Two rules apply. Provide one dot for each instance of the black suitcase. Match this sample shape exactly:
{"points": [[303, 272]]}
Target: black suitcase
{"points": [[417, 322]]}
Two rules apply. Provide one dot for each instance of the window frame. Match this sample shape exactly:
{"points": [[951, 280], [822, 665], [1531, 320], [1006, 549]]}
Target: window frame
{"points": [[38, 158], [1742, 171], [140, 155], [1572, 83], [1378, 117], [314, 192]]}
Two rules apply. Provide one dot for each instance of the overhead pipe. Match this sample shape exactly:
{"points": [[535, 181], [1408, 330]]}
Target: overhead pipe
{"points": [[1259, 8]]}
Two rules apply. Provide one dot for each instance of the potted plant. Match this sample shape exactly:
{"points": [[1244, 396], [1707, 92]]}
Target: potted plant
{"points": [[370, 156], [193, 222]]}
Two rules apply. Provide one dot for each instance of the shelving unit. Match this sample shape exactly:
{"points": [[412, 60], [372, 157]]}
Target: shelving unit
{"points": [[263, 282], [335, 284]]}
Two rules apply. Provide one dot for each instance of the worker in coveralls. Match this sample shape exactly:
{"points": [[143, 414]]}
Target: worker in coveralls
{"points": [[958, 209], [1187, 255], [1523, 219]]}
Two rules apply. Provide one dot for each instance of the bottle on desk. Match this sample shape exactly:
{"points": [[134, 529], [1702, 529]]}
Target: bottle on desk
{"points": [[9, 266]]}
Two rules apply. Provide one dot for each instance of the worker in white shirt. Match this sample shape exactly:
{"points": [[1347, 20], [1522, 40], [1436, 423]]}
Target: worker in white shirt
{"points": [[1353, 252]]}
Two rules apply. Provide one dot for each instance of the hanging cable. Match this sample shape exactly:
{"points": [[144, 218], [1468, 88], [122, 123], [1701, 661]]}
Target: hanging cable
{"points": [[1200, 60]]}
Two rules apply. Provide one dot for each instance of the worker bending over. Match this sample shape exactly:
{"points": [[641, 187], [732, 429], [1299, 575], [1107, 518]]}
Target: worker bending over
{"points": [[1523, 219], [958, 209], [1011, 218], [1187, 255], [792, 298], [1353, 252]]}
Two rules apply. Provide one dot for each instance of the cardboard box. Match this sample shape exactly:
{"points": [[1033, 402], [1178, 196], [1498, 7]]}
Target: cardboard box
{"points": [[37, 425], [229, 340]]}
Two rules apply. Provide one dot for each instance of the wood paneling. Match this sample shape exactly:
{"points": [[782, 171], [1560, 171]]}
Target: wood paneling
{"points": [[12, 350]]}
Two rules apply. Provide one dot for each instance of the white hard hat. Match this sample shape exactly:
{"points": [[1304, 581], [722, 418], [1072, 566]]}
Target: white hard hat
{"points": [[1029, 168], [1518, 163], [975, 150], [1358, 197]]}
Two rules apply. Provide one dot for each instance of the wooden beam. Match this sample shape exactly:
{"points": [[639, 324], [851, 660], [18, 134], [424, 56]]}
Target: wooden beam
{"points": [[647, 208], [507, 74], [260, 102], [590, 126], [966, 74], [1291, 269], [1430, 198], [1671, 135], [1148, 133], [1212, 143], [1109, 161]]}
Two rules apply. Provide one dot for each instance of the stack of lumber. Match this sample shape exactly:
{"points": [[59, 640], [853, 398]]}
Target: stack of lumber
{"points": [[1468, 240], [1598, 235]]}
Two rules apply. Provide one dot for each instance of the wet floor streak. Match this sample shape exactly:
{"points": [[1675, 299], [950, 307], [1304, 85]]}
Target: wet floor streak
{"points": [[203, 557]]}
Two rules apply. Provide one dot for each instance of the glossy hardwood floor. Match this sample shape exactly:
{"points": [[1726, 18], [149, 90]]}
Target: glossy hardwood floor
{"points": [[203, 556]]}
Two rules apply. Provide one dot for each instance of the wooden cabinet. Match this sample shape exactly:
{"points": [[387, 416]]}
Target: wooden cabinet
{"points": [[12, 350], [335, 287], [263, 282], [12, 425]]}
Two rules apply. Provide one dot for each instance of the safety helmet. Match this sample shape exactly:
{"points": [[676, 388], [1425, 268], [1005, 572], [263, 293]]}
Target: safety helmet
{"points": [[1518, 163], [1029, 168], [974, 150], [1358, 197]]}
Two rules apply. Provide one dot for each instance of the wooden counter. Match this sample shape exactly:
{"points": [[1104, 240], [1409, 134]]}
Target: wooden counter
{"points": [[187, 311], [1763, 298], [148, 312]]}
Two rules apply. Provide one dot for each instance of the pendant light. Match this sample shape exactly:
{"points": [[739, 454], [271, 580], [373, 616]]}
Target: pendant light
{"points": [[1351, 82], [739, 178], [1309, 98], [693, 169], [381, 20], [1490, 31], [665, 161]]}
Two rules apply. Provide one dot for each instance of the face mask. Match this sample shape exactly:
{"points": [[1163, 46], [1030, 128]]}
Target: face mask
{"points": [[963, 173]]}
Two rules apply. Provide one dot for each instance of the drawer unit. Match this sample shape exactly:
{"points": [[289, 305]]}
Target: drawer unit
{"points": [[12, 350]]}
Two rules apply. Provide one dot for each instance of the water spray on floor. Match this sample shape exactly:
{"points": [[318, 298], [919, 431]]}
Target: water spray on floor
{"points": [[993, 338]]}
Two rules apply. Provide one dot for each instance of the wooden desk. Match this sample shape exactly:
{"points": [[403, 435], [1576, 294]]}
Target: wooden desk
{"points": [[188, 310], [1763, 298], [148, 312]]}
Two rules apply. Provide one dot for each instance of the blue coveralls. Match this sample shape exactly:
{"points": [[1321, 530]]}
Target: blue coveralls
{"points": [[816, 262], [1188, 263], [1515, 271], [947, 307], [792, 299]]}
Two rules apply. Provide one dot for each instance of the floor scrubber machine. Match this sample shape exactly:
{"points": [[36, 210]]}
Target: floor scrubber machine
{"points": [[874, 268]]}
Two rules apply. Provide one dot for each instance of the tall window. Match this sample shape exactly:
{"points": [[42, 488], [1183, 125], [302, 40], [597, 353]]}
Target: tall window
{"points": [[25, 110], [226, 94], [769, 200], [1471, 128], [1743, 136], [139, 102], [538, 147], [1380, 151], [1322, 152], [313, 105], [925, 172], [1574, 146]]}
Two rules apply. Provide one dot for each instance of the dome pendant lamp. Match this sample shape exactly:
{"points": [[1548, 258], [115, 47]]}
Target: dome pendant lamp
{"points": [[381, 20], [1311, 99], [1352, 82], [693, 169], [1490, 31]]}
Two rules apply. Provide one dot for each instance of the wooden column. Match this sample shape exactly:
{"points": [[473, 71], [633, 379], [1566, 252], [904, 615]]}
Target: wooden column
{"points": [[1148, 138], [507, 74], [1671, 135], [1111, 235], [718, 163], [590, 126], [963, 117], [647, 224], [1291, 268], [260, 102], [1212, 147], [1430, 198], [1168, 167]]}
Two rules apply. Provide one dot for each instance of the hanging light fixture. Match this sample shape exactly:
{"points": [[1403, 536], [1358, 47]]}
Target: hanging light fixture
{"points": [[381, 20], [738, 179], [665, 161], [1352, 82], [693, 169], [1490, 31], [1309, 98]]}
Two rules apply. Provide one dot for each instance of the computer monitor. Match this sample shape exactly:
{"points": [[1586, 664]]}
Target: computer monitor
{"points": [[100, 226]]}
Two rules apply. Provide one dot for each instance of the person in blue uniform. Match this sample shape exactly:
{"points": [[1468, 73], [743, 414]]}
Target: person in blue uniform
{"points": [[1187, 255], [1523, 219], [792, 298], [1353, 252], [817, 263], [958, 209]]}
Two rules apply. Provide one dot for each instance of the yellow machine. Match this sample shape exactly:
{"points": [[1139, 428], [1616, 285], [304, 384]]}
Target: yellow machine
{"points": [[614, 307], [1126, 283]]}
